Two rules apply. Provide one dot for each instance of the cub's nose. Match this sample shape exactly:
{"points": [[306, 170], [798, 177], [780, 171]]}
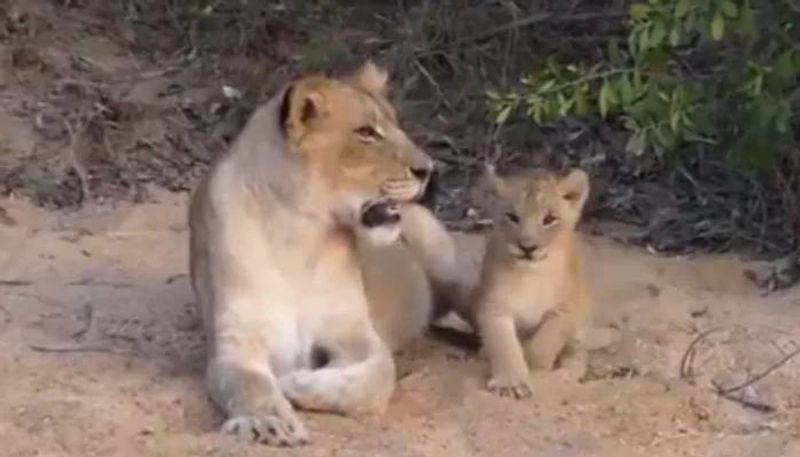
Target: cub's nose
{"points": [[527, 248]]}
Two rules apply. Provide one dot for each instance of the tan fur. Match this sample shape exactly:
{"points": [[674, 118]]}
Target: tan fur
{"points": [[283, 284], [533, 304]]}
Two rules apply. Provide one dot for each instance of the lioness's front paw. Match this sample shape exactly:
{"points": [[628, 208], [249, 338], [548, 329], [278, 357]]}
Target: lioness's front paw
{"points": [[269, 429], [509, 388]]}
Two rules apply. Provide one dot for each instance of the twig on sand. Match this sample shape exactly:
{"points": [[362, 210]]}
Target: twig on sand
{"points": [[687, 361], [729, 392], [725, 391], [93, 283], [15, 282], [72, 155], [63, 349]]}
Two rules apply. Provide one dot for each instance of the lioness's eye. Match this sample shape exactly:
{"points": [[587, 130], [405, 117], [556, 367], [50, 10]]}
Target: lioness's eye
{"points": [[549, 219], [368, 132], [512, 218]]}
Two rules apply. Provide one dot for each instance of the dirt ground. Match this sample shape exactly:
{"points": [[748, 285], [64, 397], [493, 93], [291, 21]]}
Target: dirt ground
{"points": [[99, 349], [100, 355]]}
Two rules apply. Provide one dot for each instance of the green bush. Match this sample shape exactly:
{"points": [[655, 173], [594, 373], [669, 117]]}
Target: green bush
{"points": [[721, 75]]}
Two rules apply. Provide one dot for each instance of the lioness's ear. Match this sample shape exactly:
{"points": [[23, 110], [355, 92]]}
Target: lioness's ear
{"points": [[371, 78], [574, 188], [302, 106]]}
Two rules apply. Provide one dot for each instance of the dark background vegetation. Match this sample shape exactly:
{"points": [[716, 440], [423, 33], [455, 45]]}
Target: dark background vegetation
{"points": [[216, 60]]}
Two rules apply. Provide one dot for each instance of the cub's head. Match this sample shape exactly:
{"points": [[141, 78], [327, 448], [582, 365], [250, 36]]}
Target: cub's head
{"points": [[534, 209], [346, 134]]}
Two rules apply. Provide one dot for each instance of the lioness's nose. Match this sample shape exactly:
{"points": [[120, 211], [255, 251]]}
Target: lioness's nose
{"points": [[421, 173]]}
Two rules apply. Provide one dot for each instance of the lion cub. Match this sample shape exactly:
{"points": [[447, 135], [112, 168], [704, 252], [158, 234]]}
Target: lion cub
{"points": [[532, 302]]}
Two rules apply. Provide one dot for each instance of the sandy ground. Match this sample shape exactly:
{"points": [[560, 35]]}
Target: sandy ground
{"points": [[100, 355]]}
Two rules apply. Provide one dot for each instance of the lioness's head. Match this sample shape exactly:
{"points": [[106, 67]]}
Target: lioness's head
{"points": [[534, 208], [345, 132]]}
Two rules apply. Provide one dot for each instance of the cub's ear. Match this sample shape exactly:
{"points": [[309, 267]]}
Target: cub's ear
{"points": [[491, 187], [574, 188], [303, 106], [371, 78]]}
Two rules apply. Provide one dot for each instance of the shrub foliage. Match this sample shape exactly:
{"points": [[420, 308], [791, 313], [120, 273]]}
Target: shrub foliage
{"points": [[715, 75]]}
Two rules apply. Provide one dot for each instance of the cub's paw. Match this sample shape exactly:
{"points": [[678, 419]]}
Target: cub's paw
{"points": [[268, 429], [503, 387], [573, 367]]}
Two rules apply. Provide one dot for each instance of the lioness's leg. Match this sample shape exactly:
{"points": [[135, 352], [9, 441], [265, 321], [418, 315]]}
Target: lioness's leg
{"points": [[242, 384], [359, 379], [509, 373]]}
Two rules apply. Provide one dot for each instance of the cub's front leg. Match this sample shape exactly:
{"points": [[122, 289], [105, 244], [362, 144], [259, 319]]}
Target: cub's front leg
{"points": [[241, 383], [549, 341], [509, 372]]}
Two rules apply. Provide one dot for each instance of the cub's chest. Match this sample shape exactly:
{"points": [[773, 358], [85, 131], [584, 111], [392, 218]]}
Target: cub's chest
{"points": [[528, 292]]}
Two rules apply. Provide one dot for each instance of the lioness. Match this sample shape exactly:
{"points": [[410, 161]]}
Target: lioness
{"points": [[532, 302], [308, 198]]}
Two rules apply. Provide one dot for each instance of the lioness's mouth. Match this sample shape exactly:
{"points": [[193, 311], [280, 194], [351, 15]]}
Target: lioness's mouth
{"points": [[379, 212], [428, 189]]}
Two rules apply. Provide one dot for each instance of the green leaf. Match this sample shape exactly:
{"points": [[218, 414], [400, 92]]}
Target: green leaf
{"points": [[504, 114], [783, 117], [629, 123], [552, 65], [633, 42], [546, 86], [626, 91], [538, 113], [492, 95], [564, 105], [607, 99], [675, 35], [747, 22], [657, 34], [784, 69], [729, 9], [717, 26], [664, 138], [682, 8], [674, 121], [637, 143], [644, 40], [581, 103], [639, 11]]}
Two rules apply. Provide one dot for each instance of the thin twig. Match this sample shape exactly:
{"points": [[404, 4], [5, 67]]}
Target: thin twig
{"points": [[83, 175], [15, 282], [93, 283], [433, 83], [63, 349], [687, 361], [726, 391], [538, 19]]}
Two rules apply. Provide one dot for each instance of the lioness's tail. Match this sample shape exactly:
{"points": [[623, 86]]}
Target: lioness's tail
{"points": [[347, 387]]}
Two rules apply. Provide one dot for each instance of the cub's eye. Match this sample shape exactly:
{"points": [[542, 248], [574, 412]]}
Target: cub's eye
{"points": [[549, 220], [513, 218], [368, 132]]}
